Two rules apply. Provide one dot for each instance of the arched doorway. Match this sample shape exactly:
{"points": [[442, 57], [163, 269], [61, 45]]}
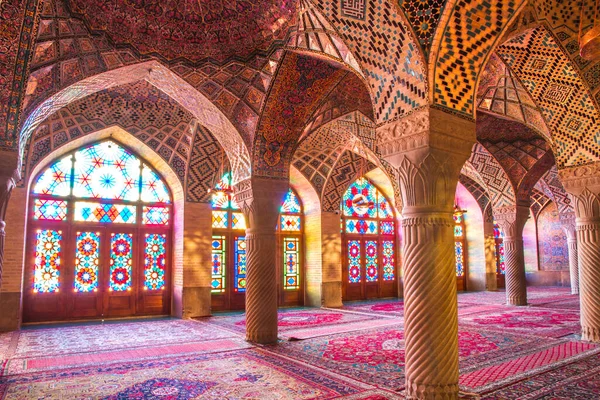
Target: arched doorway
{"points": [[229, 250], [368, 243], [99, 238]]}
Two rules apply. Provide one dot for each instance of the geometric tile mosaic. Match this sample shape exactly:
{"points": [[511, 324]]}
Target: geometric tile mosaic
{"points": [[208, 158], [477, 191], [424, 17], [500, 93], [557, 191], [375, 32], [315, 34], [470, 32], [538, 201], [139, 108], [347, 169], [562, 97], [496, 181]]}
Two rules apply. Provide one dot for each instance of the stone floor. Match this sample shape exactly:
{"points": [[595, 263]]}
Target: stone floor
{"points": [[356, 352]]}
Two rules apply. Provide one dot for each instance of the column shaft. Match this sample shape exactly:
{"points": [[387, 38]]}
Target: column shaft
{"points": [[431, 319], [588, 236], [573, 265], [514, 261]]}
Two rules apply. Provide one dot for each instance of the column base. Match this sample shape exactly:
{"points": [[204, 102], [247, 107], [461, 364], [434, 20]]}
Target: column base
{"points": [[590, 333], [10, 317], [196, 302], [574, 291], [261, 337], [331, 294], [437, 392], [516, 301]]}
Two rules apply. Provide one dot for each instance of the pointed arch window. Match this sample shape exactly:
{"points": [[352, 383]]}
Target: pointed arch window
{"points": [[460, 242], [102, 222], [369, 228], [290, 231], [498, 238]]}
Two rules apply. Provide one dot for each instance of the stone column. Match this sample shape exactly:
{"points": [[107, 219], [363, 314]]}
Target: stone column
{"points": [[260, 199], [511, 220], [429, 148], [569, 225]]}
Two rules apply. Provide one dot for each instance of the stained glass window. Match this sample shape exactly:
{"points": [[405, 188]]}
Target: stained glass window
{"points": [[291, 204], [121, 255], [50, 210], [291, 257], [155, 262], [239, 283], [105, 191], [87, 254], [459, 241], [498, 236], [290, 223], [218, 264], [290, 233], [106, 171], [371, 267], [106, 213], [354, 261], [47, 261], [366, 216], [220, 219], [155, 215], [388, 260], [56, 180], [238, 221]]}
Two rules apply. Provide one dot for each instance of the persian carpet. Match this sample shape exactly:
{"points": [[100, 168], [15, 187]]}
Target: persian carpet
{"points": [[293, 319], [577, 380], [239, 374], [377, 356], [538, 321]]}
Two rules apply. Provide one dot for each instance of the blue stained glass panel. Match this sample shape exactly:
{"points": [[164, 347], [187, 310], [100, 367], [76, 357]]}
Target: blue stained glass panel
{"points": [[50, 210], [387, 227], [106, 171], [385, 211], [154, 189], [87, 255], [291, 204], [155, 215], [361, 226], [291, 261], [105, 213], [239, 270], [56, 180]]}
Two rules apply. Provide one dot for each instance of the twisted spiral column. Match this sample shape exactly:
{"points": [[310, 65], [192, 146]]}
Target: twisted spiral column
{"points": [[511, 220], [514, 261], [588, 237], [261, 289], [430, 307], [259, 199]]}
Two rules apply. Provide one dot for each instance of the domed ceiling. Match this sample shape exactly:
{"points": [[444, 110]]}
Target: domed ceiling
{"points": [[190, 29]]}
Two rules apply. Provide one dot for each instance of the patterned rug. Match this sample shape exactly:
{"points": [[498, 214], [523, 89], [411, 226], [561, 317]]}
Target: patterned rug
{"points": [[84, 338], [377, 356], [240, 374], [530, 320], [574, 380], [290, 320]]}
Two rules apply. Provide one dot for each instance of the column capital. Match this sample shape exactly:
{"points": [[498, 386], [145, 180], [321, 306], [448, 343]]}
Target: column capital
{"points": [[260, 198], [569, 225], [512, 220]]}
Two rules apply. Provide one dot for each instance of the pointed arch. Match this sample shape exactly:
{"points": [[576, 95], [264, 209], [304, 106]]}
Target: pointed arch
{"points": [[166, 81]]}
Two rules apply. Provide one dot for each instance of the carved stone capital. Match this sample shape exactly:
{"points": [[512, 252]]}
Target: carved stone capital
{"points": [[512, 220], [568, 223], [260, 199], [426, 128], [581, 178]]}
